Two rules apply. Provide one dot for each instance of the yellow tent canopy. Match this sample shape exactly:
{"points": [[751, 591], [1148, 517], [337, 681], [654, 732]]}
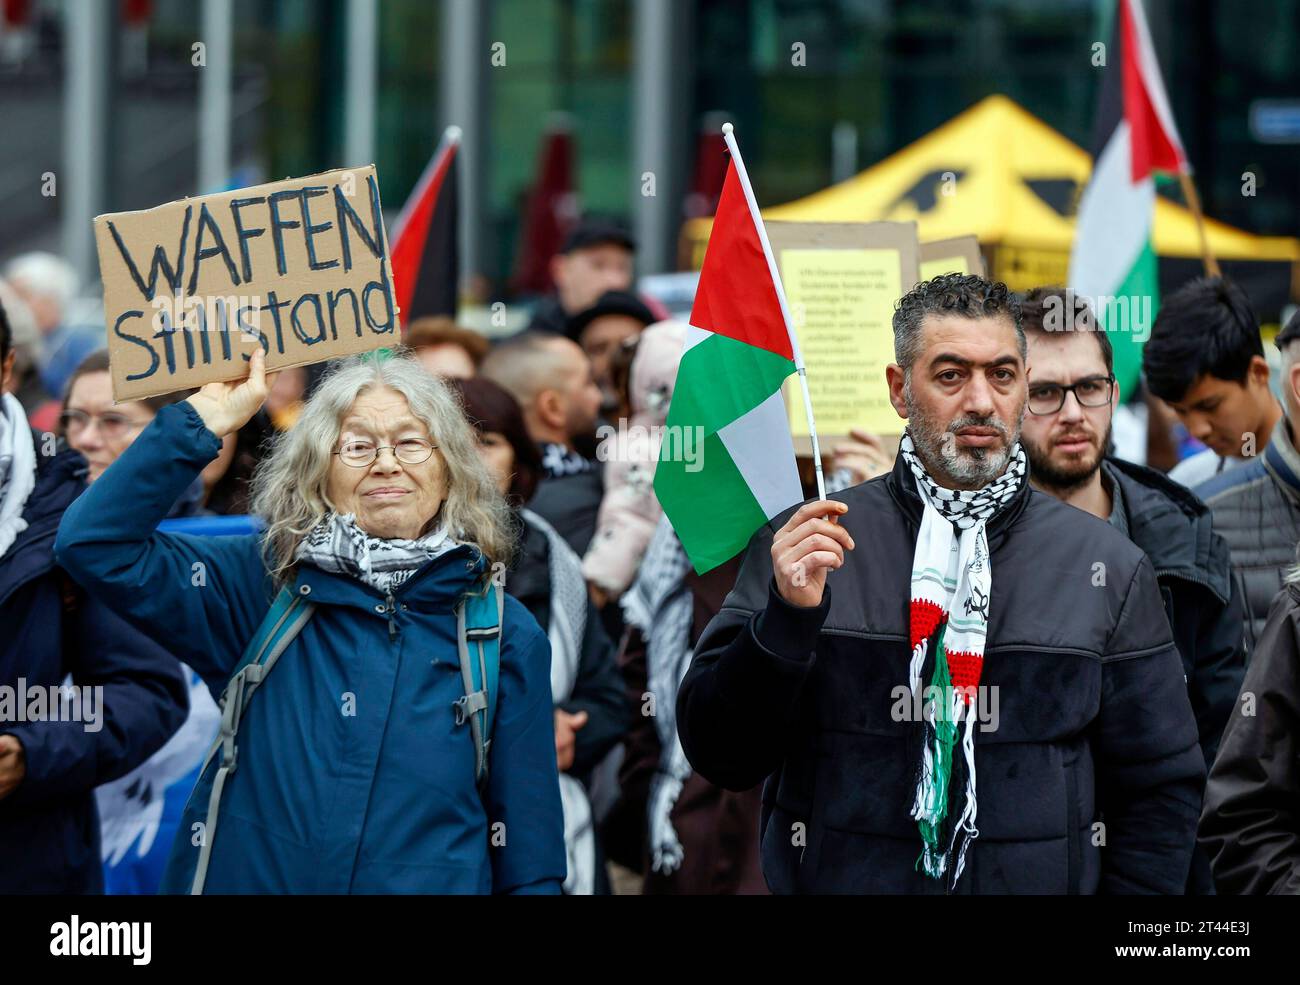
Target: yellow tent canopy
{"points": [[999, 172]]}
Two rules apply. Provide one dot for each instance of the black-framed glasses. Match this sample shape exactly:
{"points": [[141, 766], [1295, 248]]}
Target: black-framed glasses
{"points": [[362, 454], [112, 425], [1093, 391]]}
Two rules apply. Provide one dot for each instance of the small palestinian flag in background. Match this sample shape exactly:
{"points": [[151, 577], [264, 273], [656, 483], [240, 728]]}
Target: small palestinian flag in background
{"points": [[738, 353], [425, 253], [1134, 137]]}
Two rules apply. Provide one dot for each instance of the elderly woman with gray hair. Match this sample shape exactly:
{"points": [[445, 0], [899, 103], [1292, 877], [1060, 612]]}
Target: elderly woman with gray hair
{"points": [[405, 741]]}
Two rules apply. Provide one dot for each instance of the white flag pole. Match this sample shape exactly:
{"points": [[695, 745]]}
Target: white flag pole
{"points": [[450, 138], [780, 296]]}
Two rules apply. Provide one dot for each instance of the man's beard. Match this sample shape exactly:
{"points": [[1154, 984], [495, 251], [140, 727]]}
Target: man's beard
{"points": [[1063, 478], [936, 445]]}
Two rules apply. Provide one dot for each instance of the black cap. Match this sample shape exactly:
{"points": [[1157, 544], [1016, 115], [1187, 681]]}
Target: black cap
{"points": [[1290, 332], [611, 303], [597, 231]]}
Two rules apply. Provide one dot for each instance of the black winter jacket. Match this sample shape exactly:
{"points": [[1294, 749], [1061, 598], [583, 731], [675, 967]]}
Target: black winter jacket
{"points": [[569, 503], [49, 826], [1251, 824], [1096, 742], [1256, 509], [1202, 600], [599, 688]]}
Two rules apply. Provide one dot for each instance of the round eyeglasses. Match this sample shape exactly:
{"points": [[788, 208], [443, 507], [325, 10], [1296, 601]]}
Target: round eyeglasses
{"points": [[362, 454], [112, 425], [1048, 398]]}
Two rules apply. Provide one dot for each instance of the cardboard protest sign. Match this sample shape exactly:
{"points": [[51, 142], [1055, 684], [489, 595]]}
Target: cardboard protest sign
{"points": [[299, 267], [841, 280], [957, 255]]}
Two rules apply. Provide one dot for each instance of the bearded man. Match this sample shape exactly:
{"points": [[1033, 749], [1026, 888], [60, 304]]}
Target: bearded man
{"points": [[1066, 435], [985, 696]]}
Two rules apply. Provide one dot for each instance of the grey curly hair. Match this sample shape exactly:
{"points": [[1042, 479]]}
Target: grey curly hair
{"points": [[289, 485], [958, 294]]}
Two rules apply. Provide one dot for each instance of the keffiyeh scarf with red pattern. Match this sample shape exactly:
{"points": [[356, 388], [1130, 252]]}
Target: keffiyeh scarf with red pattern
{"points": [[951, 582]]}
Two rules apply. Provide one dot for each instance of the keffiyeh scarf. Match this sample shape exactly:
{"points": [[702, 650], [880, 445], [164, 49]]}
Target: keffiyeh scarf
{"points": [[558, 461], [660, 605], [338, 545], [951, 582], [567, 627], [17, 469]]}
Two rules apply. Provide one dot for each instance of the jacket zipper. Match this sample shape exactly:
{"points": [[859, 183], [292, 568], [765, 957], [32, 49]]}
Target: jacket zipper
{"points": [[1249, 620], [392, 622], [1072, 846], [1169, 572]]}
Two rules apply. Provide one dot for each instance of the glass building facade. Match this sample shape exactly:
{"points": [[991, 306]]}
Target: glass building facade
{"points": [[816, 88]]}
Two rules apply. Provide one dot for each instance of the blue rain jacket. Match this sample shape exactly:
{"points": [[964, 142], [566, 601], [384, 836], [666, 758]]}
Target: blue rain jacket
{"points": [[352, 775]]}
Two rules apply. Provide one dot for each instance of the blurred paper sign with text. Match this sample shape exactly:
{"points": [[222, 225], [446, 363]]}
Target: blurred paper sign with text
{"points": [[958, 255], [841, 281]]}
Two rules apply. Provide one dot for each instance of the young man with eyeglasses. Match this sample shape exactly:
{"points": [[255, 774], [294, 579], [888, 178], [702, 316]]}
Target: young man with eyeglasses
{"points": [[1066, 434]]}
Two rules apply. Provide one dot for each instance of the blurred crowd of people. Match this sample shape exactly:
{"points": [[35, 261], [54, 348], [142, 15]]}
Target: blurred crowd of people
{"points": [[1200, 470]]}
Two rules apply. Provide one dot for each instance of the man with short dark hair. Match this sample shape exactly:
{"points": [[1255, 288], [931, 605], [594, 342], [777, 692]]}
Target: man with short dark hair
{"points": [[1066, 433], [616, 318], [551, 378], [1205, 359], [960, 594], [596, 257], [1257, 506]]}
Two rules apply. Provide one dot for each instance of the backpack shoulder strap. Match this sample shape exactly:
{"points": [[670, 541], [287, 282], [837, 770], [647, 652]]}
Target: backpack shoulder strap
{"points": [[478, 645], [289, 612], [282, 623]]}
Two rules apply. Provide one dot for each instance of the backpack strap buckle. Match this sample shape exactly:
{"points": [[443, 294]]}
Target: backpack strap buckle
{"points": [[468, 704]]}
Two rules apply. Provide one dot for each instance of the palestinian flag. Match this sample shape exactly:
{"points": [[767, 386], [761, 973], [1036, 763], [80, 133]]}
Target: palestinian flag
{"points": [[1113, 262], [728, 391], [425, 256]]}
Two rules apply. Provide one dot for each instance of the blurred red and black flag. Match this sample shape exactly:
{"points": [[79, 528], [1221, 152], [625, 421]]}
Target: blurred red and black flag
{"points": [[426, 258], [710, 173], [550, 212]]}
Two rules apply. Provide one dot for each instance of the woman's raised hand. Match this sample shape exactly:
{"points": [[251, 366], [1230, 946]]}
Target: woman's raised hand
{"points": [[227, 407]]}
